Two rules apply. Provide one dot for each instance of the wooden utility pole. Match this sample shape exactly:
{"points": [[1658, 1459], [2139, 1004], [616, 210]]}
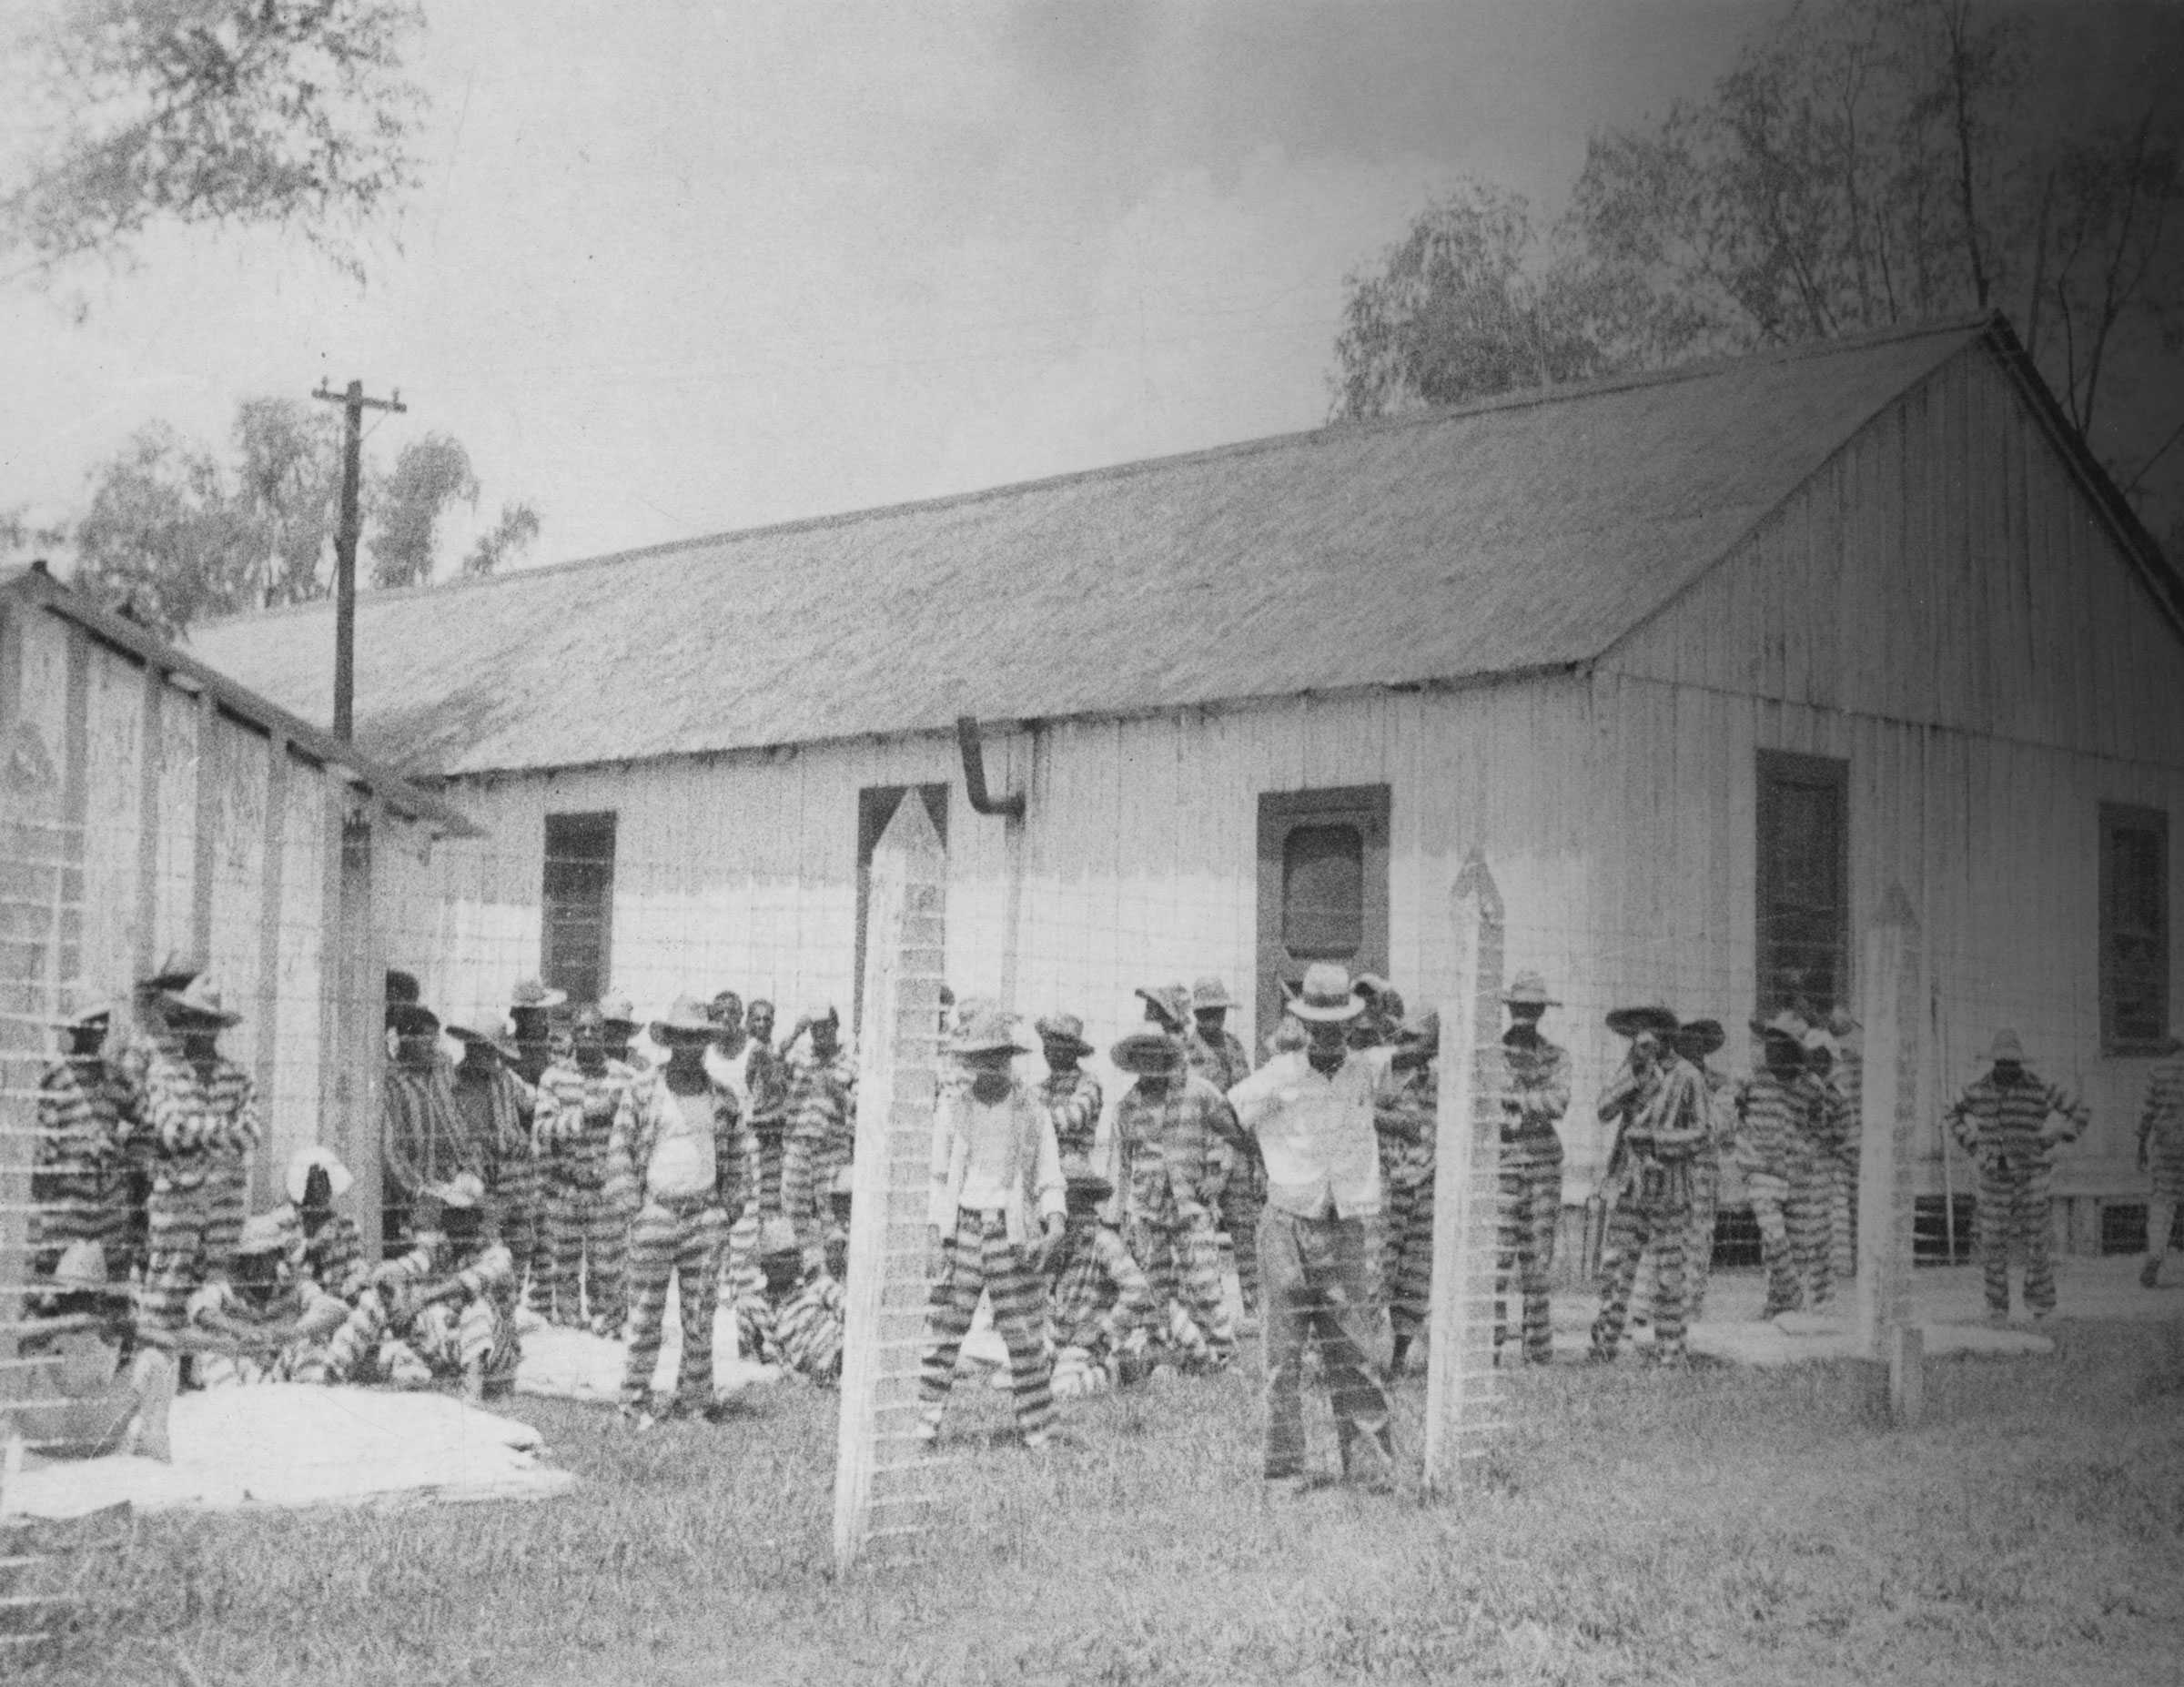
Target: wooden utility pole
{"points": [[353, 404]]}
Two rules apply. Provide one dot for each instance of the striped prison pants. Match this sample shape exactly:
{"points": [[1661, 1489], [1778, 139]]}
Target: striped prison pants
{"points": [[1792, 1216], [441, 1340], [1647, 1218], [85, 1202], [1841, 1165], [517, 1195], [1407, 1254], [1318, 1278], [1180, 1254], [1241, 1203], [586, 1236], [980, 1259], [1705, 1205], [1531, 1206], [180, 1256], [683, 1241], [2014, 1209]]}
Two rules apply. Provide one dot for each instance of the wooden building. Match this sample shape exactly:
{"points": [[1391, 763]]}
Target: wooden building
{"points": [[1703, 661], [152, 806]]}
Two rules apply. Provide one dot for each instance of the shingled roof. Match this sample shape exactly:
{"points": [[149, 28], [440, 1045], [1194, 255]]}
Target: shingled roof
{"points": [[1522, 535]]}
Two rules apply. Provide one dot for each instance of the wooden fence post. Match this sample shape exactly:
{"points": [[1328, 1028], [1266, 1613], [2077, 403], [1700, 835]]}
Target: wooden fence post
{"points": [[1460, 1392], [1894, 1012], [884, 1301]]}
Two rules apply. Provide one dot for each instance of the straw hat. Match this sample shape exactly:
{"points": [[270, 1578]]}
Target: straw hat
{"points": [[777, 1236], [83, 1270], [1697, 1039], [1819, 1041], [461, 1193], [1637, 1021], [176, 970], [337, 1179], [488, 1028], [1209, 993], [988, 1030], [1148, 1053], [1171, 1001], [532, 994], [99, 1012], [202, 998], [1326, 996], [262, 1233], [687, 1020], [2005, 1047], [1785, 1024], [616, 1009], [1065, 1030], [1528, 989]]}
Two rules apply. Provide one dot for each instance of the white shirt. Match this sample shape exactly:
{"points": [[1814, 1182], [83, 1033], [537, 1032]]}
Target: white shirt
{"points": [[682, 1165], [1315, 1131]]}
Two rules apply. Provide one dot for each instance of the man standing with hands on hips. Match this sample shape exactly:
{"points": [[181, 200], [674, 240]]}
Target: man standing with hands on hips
{"points": [[1311, 1112]]}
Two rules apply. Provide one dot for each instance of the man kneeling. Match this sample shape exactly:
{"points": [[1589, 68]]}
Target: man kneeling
{"points": [[258, 1322], [446, 1310]]}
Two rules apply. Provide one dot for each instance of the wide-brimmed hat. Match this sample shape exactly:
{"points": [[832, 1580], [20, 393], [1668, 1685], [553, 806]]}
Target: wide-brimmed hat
{"points": [[337, 1179], [1787, 1022], [1082, 1182], [411, 1019], [202, 997], [1172, 1002], [1148, 1053], [687, 1019], [987, 1032], [2005, 1046], [1637, 1021], [616, 1009], [1065, 1029], [532, 994], [172, 972], [90, 1014], [83, 1270], [464, 1192], [402, 987], [262, 1233], [1697, 1039], [1819, 1040], [776, 1236], [1528, 989], [1209, 993], [1326, 995], [488, 1028]]}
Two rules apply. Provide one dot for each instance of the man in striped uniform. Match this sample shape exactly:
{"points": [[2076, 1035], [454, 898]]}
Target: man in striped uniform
{"points": [[822, 1127], [200, 1111], [531, 1010], [995, 1172], [423, 1141], [1312, 1115], [1848, 1076], [1406, 1121], [326, 1248], [1835, 1130], [1536, 1095], [1773, 1146], [743, 1062], [445, 1310], [1216, 1054], [2009, 1122], [498, 1110], [1657, 1104], [1697, 1042], [257, 1322], [678, 1162], [1167, 1127], [2161, 1155], [80, 1179], [619, 1022], [578, 1098], [1069, 1094], [1101, 1304]]}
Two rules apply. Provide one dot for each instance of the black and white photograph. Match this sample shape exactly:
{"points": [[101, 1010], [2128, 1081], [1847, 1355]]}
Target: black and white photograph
{"points": [[1159, 842]]}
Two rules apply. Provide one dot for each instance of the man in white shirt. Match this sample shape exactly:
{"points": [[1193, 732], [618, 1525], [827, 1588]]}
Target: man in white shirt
{"points": [[995, 1165], [1311, 1112]]}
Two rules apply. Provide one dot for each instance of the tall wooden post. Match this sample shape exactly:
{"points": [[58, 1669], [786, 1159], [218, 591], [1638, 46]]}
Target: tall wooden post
{"points": [[877, 1453], [1894, 1012], [1460, 1391]]}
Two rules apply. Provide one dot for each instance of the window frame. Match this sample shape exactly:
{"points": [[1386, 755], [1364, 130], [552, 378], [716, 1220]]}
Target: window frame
{"points": [[2115, 819], [551, 964], [1774, 770], [1278, 813]]}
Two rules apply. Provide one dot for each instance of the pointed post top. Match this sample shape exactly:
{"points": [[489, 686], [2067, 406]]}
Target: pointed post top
{"points": [[910, 835], [1475, 878], [1896, 909]]}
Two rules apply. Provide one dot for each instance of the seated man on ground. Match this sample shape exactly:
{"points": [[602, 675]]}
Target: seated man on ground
{"points": [[1101, 1304], [325, 1247], [88, 1389], [446, 1310], [807, 1320], [257, 1322]]}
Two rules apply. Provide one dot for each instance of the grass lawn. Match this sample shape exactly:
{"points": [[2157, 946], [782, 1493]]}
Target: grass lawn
{"points": [[1712, 1526]]}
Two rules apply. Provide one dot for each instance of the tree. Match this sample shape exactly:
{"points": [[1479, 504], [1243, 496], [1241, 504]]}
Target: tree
{"points": [[288, 479], [164, 535], [511, 535], [1463, 308], [295, 114], [428, 475]]}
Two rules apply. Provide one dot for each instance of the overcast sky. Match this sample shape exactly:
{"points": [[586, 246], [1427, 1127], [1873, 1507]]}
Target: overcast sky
{"points": [[677, 266]]}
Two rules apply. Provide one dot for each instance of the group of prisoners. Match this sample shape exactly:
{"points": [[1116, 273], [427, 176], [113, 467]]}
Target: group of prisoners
{"points": [[535, 1156]]}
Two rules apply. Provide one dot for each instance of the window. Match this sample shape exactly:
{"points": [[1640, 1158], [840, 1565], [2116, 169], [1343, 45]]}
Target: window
{"points": [[579, 903], [875, 808], [1804, 913], [2134, 930], [1322, 886]]}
